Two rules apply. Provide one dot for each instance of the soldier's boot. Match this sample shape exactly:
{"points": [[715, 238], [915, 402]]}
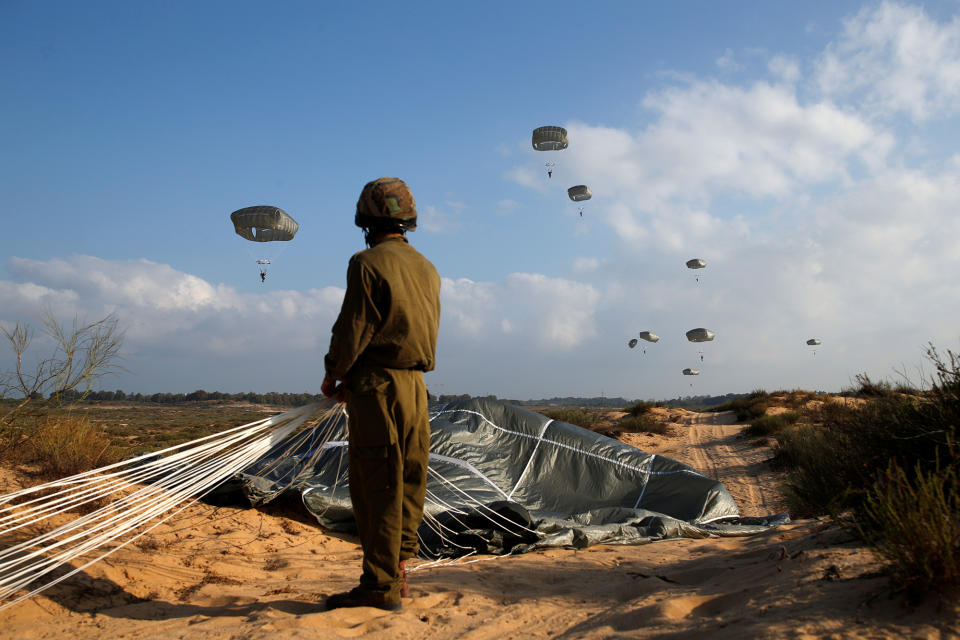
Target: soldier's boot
{"points": [[404, 589], [360, 597]]}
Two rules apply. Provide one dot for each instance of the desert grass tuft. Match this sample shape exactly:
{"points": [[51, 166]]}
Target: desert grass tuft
{"points": [[68, 444]]}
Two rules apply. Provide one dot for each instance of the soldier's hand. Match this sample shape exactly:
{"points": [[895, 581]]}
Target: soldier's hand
{"points": [[333, 389]]}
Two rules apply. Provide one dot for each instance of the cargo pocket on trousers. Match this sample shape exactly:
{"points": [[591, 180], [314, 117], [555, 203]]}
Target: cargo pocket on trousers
{"points": [[374, 467], [371, 424]]}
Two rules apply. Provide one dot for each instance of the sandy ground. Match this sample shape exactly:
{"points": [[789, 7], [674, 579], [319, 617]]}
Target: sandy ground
{"points": [[246, 573]]}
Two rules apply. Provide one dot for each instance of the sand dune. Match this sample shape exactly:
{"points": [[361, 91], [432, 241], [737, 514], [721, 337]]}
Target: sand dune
{"points": [[245, 573]]}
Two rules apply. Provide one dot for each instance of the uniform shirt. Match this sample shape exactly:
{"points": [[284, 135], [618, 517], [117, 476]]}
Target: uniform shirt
{"points": [[391, 311]]}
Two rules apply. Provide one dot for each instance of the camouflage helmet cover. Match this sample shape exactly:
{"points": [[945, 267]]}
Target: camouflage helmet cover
{"points": [[386, 203]]}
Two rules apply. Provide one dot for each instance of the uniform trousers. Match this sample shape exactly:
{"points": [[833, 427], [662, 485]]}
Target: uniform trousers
{"points": [[389, 448]]}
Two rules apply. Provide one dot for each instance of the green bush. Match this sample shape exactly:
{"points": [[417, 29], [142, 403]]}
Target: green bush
{"points": [[914, 523], [769, 425], [815, 486], [748, 407], [853, 463]]}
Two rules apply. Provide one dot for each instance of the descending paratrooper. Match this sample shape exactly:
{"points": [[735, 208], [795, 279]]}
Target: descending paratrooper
{"points": [[696, 263], [580, 193], [700, 335], [264, 223], [549, 139]]}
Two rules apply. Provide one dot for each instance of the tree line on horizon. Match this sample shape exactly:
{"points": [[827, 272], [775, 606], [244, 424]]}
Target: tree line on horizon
{"points": [[286, 399]]}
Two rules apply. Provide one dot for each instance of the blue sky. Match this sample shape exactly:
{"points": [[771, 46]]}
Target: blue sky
{"points": [[808, 152]]}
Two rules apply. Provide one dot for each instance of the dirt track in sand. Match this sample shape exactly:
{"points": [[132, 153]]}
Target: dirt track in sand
{"points": [[714, 444]]}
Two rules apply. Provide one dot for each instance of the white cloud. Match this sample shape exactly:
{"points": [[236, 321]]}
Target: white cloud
{"points": [[585, 265], [169, 314], [785, 68], [537, 311], [443, 220], [728, 62], [894, 58]]}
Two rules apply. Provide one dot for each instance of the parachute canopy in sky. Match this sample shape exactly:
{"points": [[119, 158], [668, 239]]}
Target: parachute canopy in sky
{"points": [[649, 336], [579, 193], [632, 343], [691, 372], [700, 335], [813, 342], [696, 263], [549, 138], [264, 223]]}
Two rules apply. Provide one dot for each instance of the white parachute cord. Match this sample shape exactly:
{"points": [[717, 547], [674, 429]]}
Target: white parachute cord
{"points": [[146, 457], [191, 480], [185, 458], [150, 468], [480, 505]]}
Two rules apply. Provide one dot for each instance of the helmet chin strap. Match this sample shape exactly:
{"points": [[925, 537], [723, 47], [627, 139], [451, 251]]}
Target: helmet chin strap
{"points": [[371, 236]]}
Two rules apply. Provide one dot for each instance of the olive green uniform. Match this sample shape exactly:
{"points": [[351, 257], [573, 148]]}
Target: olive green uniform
{"points": [[383, 341]]}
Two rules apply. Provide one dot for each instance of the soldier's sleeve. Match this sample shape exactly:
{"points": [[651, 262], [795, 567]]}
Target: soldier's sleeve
{"points": [[357, 322]]}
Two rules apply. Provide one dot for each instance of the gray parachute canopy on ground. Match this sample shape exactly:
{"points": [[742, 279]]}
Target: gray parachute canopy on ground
{"points": [[649, 336], [700, 335], [503, 479], [264, 223]]}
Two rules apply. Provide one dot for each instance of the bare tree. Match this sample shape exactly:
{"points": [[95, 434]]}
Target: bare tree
{"points": [[80, 358]]}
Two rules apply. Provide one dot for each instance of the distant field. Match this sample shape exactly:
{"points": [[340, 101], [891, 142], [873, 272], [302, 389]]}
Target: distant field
{"points": [[149, 427]]}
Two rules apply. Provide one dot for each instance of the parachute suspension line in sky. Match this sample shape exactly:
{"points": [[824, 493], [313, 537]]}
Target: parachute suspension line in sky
{"points": [[264, 223], [814, 342], [549, 139], [580, 193]]}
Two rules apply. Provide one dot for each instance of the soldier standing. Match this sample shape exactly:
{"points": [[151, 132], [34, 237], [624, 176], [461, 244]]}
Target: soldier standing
{"points": [[382, 342]]}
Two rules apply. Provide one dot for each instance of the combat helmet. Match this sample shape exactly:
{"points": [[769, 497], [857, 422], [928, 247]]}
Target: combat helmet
{"points": [[386, 204]]}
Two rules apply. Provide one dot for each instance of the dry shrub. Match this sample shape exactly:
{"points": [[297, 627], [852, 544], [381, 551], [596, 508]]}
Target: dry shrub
{"points": [[68, 444], [642, 424], [574, 415], [641, 407]]}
